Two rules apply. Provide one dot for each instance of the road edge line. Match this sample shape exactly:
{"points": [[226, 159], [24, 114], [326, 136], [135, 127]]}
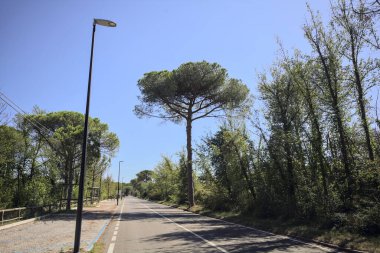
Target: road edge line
{"points": [[188, 230], [112, 243], [314, 243]]}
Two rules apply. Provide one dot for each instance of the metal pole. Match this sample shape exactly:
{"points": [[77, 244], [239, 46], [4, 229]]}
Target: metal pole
{"points": [[122, 187], [78, 223], [108, 192], [100, 186], [118, 181]]}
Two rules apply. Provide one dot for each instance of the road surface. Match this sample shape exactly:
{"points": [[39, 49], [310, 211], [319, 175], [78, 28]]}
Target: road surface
{"points": [[143, 226]]}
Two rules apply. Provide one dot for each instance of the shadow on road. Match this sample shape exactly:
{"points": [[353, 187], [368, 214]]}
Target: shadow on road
{"points": [[230, 237]]}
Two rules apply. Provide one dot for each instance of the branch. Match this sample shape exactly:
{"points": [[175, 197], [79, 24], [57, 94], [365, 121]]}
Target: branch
{"points": [[157, 116], [208, 113]]}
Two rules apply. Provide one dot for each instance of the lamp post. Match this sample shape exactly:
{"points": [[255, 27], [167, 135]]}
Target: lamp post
{"points": [[118, 182], [122, 187], [78, 223]]}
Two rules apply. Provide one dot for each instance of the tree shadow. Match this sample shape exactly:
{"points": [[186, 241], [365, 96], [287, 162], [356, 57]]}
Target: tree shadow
{"points": [[237, 240], [87, 215], [233, 238]]}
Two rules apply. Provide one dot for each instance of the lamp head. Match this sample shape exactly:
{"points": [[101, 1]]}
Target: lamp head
{"points": [[104, 22]]}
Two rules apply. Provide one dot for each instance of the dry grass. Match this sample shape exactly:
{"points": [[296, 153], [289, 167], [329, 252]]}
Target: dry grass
{"points": [[99, 247]]}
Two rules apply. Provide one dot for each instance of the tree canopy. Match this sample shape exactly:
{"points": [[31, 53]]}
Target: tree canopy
{"points": [[40, 156], [193, 91]]}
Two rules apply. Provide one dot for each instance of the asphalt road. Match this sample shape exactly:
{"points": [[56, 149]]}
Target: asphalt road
{"points": [[143, 226]]}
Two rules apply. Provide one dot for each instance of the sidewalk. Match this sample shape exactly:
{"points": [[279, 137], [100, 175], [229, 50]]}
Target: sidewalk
{"points": [[56, 232]]}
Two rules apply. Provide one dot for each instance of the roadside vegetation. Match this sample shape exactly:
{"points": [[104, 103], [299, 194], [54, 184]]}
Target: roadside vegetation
{"points": [[40, 156], [305, 160]]}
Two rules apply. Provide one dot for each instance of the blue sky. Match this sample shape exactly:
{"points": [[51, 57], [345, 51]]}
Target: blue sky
{"points": [[45, 51]]}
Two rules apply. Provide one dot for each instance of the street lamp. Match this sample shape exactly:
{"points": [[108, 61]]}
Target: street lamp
{"points": [[78, 223], [118, 181], [122, 187]]}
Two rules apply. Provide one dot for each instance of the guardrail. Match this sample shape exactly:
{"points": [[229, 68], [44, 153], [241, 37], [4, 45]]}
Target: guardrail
{"points": [[19, 213], [11, 210], [9, 215]]}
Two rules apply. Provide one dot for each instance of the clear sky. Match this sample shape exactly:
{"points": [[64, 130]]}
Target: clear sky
{"points": [[45, 51]]}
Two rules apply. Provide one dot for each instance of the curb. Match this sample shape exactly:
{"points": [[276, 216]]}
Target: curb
{"points": [[101, 231], [92, 243]]}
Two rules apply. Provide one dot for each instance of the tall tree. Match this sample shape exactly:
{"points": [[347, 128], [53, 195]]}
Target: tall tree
{"points": [[63, 131], [193, 91], [331, 76], [351, 29], [281, 97], [166, 178], [231, 152], [302, 70], [11, 158]]}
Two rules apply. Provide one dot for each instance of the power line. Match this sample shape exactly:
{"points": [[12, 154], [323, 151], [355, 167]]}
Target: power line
{"points": [[22, 115], [22, 111], [36, 124]]}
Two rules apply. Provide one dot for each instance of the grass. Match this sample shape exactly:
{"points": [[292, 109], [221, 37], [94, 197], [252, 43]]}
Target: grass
{"points": [[99, 247], [293, 228]]}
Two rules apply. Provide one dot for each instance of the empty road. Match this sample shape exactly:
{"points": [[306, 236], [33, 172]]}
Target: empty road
{"points": [[143, 226]]}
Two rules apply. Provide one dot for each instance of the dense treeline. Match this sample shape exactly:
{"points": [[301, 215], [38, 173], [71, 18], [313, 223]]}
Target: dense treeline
{"points": [[40, 158], [313, 152]]}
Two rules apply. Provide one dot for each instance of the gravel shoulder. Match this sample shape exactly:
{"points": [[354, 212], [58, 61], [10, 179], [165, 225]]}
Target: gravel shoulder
{"points": [[55, 233]]}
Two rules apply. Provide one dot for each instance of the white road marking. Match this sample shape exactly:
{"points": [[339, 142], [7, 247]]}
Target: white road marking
{"points": [[269, 233], [111, 247], [114, 237], [254, 229], [188, 230]]}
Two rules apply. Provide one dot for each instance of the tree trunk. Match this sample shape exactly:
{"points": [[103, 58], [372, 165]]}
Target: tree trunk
{"points": [[18, 186], [70, 186], [92, 186], [245, 171], [360, 98], [108, 189], [347, 169], [290, 180], [33, 163], [332, 83], [100, 187], [190, 184], [317, 142]]}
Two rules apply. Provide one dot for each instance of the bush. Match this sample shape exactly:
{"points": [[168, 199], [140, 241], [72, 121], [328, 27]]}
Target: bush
{"points": [[365, 222], [36, 192]]}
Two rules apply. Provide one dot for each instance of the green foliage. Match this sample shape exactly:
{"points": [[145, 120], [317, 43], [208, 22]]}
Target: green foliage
{"points": [[201, 88], [37, 192], [315, 158], [166, 182], [39, 157], [193, 91]]}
